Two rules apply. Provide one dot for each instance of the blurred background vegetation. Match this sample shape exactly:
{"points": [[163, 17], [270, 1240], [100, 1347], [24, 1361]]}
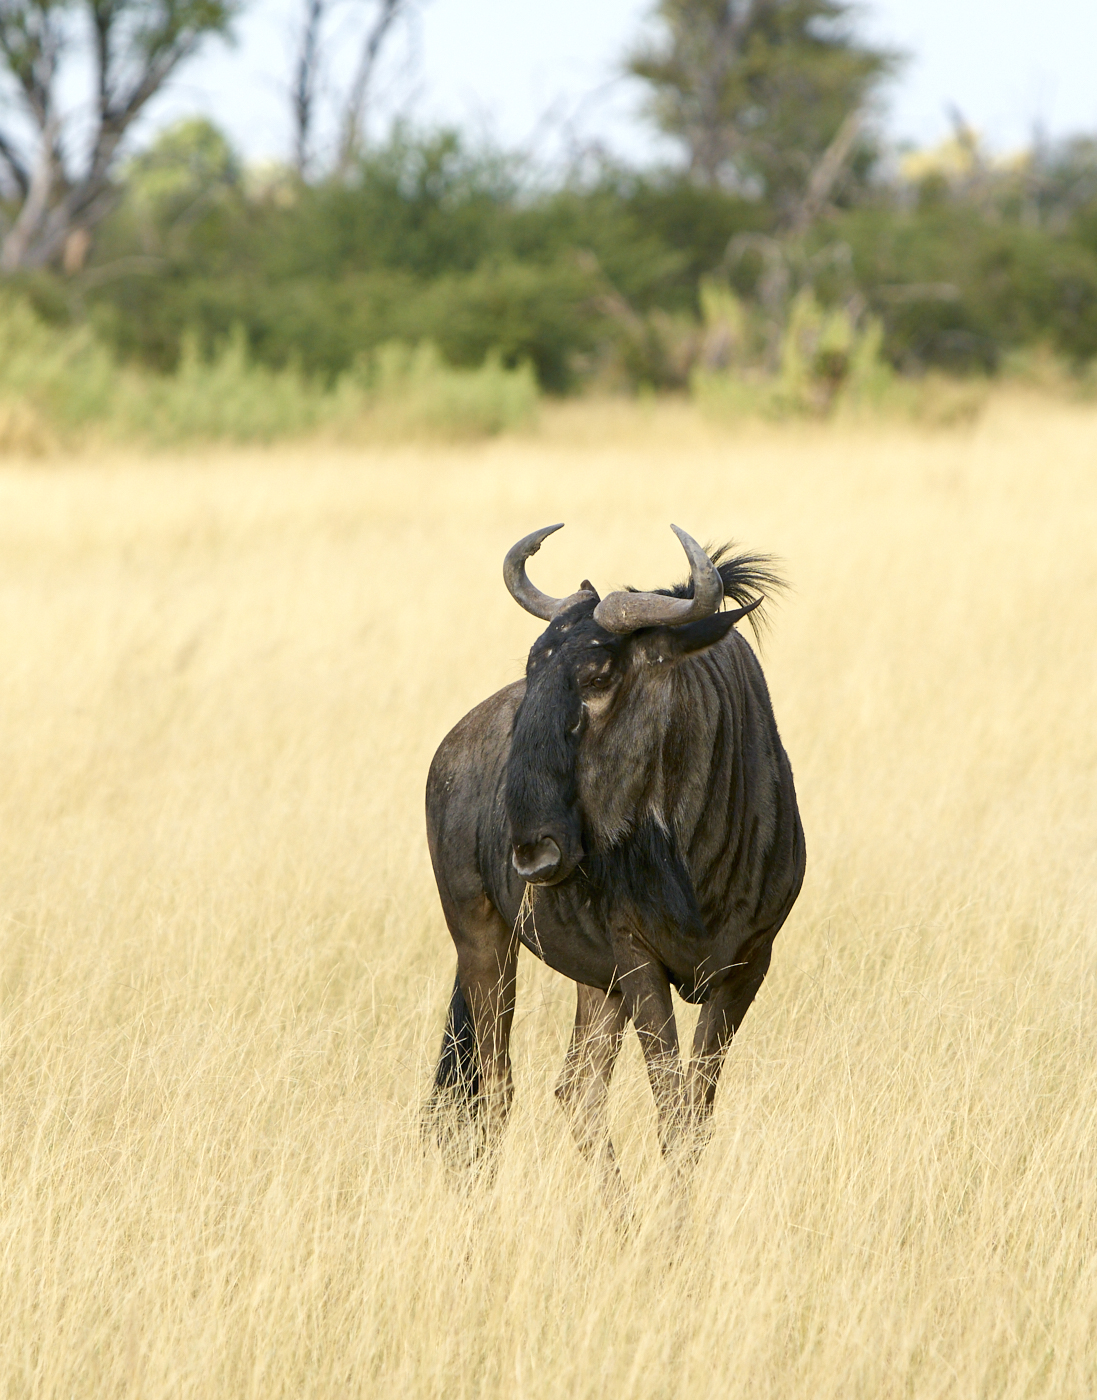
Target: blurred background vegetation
{"points": [[787, 263]]}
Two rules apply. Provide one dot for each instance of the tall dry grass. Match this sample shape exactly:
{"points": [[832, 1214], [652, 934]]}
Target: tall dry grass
{"points": [[224, 969]]}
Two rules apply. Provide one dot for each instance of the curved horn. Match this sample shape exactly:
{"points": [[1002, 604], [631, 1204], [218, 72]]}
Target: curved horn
{"points": [[519, 586], [626, 612]]}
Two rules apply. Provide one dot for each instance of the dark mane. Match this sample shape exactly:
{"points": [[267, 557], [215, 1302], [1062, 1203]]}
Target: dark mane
{"points": [[745, 576]]}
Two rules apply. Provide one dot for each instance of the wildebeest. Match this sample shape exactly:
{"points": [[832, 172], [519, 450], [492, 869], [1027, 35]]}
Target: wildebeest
{"points": [[627, 812]]}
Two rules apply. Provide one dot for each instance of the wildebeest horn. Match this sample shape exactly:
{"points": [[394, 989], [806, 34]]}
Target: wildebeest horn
{"points": [[519, 586], [626, 612]]}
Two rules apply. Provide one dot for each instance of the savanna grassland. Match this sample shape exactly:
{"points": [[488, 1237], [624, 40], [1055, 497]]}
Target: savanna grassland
{"points": [[224, 969]]}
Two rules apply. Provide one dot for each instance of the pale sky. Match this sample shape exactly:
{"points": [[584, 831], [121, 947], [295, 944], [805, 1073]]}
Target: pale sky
{"points": [[535, 74]]}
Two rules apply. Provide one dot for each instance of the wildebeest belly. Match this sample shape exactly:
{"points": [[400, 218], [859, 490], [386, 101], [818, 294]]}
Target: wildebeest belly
{"points": [[696, 968], [560, 927]]}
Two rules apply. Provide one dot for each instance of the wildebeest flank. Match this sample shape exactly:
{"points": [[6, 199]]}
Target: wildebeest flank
{"points": [[627, 811]]}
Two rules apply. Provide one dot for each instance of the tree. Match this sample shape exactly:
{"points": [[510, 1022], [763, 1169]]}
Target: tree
{"points": [[58, 186], [381, 18], [766, 95]]}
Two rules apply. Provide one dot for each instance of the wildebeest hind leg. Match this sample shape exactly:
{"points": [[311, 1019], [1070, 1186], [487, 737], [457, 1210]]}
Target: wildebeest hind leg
{"points": [[583, 1085], [721, 1016]]}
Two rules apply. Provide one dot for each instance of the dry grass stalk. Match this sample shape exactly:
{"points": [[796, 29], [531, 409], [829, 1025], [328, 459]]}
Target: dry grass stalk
{"points": [[224, 969]]}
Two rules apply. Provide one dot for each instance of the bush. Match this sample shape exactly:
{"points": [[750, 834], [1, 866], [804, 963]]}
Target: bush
{"points": [[57, 378], [60, 385], [427, 241], [594, 280], [826, 361], [829, 365], [412, 390], [225, 398], [959, 290]]}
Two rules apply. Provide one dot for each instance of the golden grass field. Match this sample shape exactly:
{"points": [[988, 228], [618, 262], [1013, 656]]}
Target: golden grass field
{"points": [[224, 968]]}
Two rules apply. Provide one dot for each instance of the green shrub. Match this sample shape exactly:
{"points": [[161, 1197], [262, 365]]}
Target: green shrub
{"points": [[828, 365], [959, 287], [595, 280], [62, 377], [412, 390], [427, 240], [60, 385], [225, 398], [826, 362]]}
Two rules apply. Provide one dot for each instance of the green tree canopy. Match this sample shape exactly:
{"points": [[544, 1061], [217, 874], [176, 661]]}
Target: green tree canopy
{"points": [[759, 90]]}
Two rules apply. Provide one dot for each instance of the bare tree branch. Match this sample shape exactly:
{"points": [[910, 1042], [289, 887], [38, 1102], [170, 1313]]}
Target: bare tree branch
{"points": [[30, 48], [827, 173], [34, 206], [389, 12], [376, 21], [136, 46], [16, 168], [305, 82]]}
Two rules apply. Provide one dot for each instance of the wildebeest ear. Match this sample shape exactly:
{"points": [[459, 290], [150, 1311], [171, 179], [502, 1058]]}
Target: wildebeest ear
{"points": [[696, 636]]}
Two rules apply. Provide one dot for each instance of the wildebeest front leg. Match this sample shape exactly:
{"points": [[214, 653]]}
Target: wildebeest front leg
{"points": [[583, 1086], [646, 991], [487, 960], [721, 1016]]}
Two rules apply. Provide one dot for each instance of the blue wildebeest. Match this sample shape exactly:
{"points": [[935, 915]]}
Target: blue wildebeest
{"points": [[628, 813]]}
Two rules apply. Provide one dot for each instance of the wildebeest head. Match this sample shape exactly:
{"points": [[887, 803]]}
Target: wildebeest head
{"points": [[590, 730]]}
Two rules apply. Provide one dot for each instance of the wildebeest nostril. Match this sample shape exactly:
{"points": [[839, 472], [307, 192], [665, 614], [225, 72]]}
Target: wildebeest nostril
{"points": [[537, 859]]}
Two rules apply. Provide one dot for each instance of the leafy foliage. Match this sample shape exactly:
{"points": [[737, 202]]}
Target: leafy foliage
{"points": [[823, 273], [960, 265], [757, 90], [58, 385]]}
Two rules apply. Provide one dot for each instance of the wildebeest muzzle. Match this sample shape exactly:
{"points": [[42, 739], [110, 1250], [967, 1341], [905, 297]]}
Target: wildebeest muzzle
{"points": [[545, 827], [542, 862]]}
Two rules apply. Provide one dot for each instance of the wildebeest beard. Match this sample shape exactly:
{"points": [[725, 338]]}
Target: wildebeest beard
{"points": [[642, 879]]}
